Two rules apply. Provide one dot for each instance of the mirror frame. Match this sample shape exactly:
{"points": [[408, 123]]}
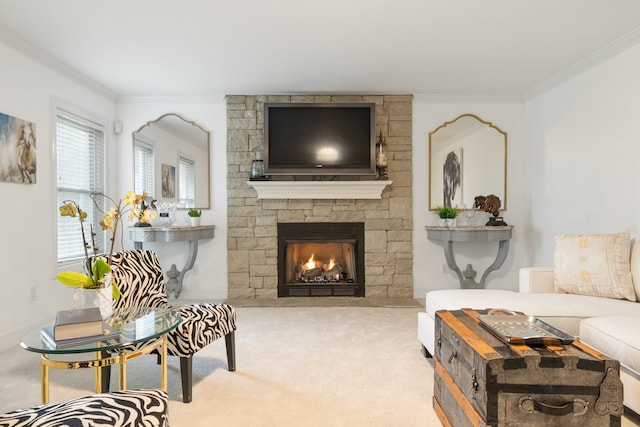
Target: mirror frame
{"points": [[432, 169], [208, 141]]}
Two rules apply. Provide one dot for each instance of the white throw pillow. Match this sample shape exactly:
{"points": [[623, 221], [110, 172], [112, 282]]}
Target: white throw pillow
{"points": [[593, 264], [635, 264]]}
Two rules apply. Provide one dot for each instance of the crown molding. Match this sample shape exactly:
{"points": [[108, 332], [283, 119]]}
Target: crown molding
{"points": [[470, 98], [196, 99], [22, 46], [592, 60]]}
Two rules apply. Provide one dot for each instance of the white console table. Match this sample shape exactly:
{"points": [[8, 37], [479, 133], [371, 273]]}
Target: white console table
{"points": [[140, 235], [449, 235]]}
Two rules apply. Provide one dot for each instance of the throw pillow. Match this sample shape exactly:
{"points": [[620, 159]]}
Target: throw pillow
{"points": [[635, 264], [593, 264]]}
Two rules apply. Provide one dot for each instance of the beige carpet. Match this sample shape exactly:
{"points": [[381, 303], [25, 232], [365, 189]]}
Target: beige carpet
{"points": [[296, 366], [324, 366]]}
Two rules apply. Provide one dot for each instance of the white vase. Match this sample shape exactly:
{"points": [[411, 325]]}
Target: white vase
{"points": [[105, 297], [195, 221], [97, 297], [447, 222]]}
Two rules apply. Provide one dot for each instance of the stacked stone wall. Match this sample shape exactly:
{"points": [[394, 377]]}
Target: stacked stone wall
{"points": [[252, 222]]}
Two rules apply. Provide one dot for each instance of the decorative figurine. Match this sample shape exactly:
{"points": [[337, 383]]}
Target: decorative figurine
{"points": [[490, 204]]}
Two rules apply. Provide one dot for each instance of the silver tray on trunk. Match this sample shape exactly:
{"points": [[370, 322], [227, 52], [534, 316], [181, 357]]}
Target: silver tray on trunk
{"points": [[523, 329]]}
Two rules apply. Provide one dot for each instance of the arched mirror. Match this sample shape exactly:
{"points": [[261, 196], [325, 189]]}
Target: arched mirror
{"points": [[468, 158], [171, 161]]}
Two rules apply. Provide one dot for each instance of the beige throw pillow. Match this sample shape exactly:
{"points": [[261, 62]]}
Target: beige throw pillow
{"points": [[593, 264], [635, 264]]}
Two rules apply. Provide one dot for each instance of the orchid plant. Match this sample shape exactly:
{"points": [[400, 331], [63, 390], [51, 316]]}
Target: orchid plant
{"points": [[132, 205]]}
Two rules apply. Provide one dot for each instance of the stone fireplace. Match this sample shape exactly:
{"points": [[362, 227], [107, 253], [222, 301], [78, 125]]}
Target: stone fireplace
{"points": [[321, 259], [253, 253]]}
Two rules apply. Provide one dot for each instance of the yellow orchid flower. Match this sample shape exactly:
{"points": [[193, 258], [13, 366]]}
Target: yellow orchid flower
{"points": [[131, 198], [109, 220]]}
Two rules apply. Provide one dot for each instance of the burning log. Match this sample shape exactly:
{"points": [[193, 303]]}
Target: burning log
{"points": [[332, 273], [312, 273]]}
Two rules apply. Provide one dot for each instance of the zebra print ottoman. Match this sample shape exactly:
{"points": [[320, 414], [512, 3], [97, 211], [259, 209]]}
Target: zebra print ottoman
{"points": [[127, 408]]}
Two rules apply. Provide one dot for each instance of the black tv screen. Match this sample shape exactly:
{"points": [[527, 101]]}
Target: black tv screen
{"points": [[319, 139]]}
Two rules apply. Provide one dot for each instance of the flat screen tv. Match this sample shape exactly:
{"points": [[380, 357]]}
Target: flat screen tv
{"points": [[319, 139]]}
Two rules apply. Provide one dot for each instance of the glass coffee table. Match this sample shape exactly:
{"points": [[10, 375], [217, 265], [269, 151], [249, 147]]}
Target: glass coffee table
{"points": [[142, 330]]}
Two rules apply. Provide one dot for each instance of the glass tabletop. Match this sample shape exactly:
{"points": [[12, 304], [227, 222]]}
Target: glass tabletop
{"points": [[134, 324]]}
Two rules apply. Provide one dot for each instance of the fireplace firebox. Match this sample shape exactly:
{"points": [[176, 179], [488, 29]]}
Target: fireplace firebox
{"points": [[321, 259]]}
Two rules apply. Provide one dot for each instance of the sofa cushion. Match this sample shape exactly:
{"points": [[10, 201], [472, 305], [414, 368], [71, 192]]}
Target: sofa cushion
{"points": [[605, 335], [563, 311], [593, 264]]}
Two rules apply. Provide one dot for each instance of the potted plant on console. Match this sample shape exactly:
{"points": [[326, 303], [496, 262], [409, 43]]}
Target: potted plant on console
{"points": [[194, 216], [447, 216]]}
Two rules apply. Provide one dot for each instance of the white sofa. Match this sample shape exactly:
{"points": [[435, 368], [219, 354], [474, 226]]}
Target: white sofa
{"points": [[611, 326]]}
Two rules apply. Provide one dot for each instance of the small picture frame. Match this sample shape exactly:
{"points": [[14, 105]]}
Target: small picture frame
{"points": [[168, 181]]}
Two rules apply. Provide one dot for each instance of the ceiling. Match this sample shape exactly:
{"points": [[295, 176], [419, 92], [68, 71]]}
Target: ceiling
{"points": [[155, 48]]}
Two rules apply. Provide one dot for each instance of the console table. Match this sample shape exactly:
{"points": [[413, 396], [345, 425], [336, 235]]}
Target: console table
{"points": [[140, 235], [449, 235]]}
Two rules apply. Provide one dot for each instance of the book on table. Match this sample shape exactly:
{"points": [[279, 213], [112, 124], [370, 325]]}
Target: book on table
{"points": [[107, 333], [77, 323]]}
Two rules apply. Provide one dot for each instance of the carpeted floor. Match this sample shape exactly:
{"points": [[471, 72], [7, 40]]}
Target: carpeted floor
{"points": [[296, 366]]}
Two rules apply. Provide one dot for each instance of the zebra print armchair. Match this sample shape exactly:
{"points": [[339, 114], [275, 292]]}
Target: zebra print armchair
{"points": [[140, 279], [127, 408]]}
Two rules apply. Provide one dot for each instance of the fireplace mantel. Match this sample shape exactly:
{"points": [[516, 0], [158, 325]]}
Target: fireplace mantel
{"points": [[320, 189]]}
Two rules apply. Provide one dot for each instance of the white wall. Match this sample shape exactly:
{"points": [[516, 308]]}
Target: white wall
{"points": [[584, 151], [575, 170], [428, 257], [29, 212], [210, 282]]}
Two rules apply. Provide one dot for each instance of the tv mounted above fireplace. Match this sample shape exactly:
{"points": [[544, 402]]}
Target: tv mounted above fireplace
{"points": [[319, 139]]}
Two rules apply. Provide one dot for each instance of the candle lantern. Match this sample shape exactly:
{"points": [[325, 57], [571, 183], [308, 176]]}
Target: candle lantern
{"points": [[381, 159]]}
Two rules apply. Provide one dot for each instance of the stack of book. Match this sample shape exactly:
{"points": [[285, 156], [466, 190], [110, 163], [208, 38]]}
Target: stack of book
{"points": [[77, 327]]}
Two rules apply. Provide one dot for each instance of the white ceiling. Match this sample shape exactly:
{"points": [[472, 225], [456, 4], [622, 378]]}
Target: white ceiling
{"points": [[212, 47]]}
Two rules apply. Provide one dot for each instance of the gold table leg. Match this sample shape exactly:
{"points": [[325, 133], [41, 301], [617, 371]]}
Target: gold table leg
{"points": [[123, 371], [163, 374], [44, 381], [98, 373]]}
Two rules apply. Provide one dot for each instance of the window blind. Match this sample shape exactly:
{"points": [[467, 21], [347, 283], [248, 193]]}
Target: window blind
{"points": [[186, 182], [80, 171], [144, 171]]}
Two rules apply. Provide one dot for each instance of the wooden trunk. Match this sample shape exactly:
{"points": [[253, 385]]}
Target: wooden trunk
{"points": [[482, 381]]}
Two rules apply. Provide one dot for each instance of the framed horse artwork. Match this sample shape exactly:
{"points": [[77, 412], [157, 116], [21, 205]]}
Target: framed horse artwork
{"points": [[18, 158]]}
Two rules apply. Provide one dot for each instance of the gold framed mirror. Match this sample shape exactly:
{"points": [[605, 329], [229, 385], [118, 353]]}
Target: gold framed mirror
{"points": [[171, 161], [467, 158]]}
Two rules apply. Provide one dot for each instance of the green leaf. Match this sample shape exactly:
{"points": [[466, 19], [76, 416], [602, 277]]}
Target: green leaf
{"points": [[115, 291], [99, 269], [75, 279]]}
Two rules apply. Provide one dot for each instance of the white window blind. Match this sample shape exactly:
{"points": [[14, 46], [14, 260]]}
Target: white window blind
{"points": [[186, 182], [80, 171], [144, 171]]}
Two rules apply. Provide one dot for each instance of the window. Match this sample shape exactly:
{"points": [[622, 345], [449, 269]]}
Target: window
{"points": [[80, 148], [144, 176], [186, 182]]}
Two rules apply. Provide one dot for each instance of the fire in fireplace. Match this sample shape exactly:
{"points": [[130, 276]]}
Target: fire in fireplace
{"points": [[320, 263], [320, 259]]}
